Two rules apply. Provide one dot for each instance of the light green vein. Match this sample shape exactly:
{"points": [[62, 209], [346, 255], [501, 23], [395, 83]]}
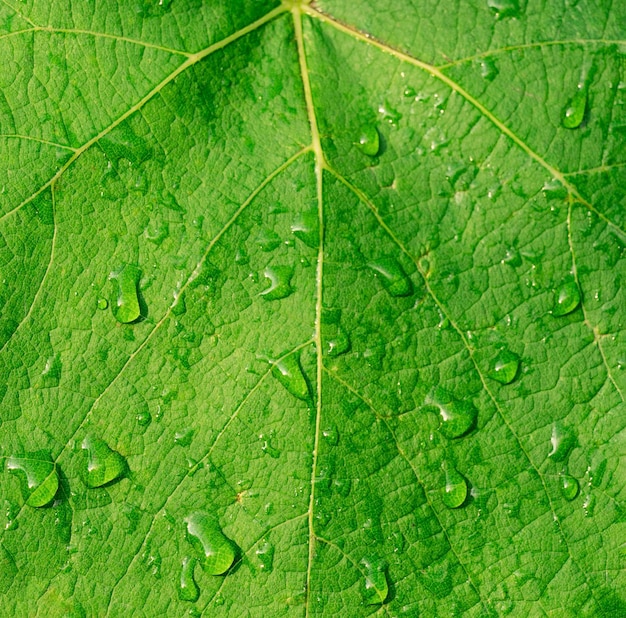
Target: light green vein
{"points": [[36, 139]]}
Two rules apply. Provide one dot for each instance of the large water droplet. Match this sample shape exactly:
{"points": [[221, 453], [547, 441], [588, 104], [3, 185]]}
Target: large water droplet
{"points": [[40, 475], [369, 140], [306, 228], [376, 588], [566, 298], [569, 487], [125, 302], [457, 417], [265, 555], [188, 589], [392, 276], [504, 8], [455, 491], [280, 282], [563, 440], [574, 111], [289, 373], [216, 551], [104, 465], [8, 569], [505, 367]]}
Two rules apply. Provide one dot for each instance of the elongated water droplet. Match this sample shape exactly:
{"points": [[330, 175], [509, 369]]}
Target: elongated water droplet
{"points": [[369, 140], [268, 240], [569, 487], [289, 373], [589, 505], [455, 491], [103, 463], [505, 367], [188, 589], [40, 475], [563, 440], [457, 417], [280, 282], [125, 301], [8, 569], [265, 556], [376, 587], [504, 8], [574, 111], [566, 298], [51, 374], [216, 551], [392, 276], [306, 228]]}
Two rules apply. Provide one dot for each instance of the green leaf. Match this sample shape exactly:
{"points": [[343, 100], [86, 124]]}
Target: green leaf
{"points": [[324, 298]]}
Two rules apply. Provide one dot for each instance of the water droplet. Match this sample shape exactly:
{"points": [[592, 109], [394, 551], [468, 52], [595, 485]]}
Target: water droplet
{"points": [[157, 232], [513, 258], [409, 92], [217, 552], [574, 111], [289, 373], [389, 113], [51, 374], [188, 589], [8, 569], [125, 303], [563, 440], [589, 505], [280, 282], [331, 435], [554, 190], [455, 491], [268, 240], [265, 556], [180, 306], [376, 588], [306, 228], [104, 465], [124, 143], [143, 418], [267, 448], [40, 476], [569, 487], [392, 276], [505, 367], [457, 417], [504, 8], [183, 437], [488, 69], [369, 140], [566, 298], [103, 304]]}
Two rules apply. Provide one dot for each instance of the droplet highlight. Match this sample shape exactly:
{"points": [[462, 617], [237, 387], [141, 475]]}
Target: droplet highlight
{"points": [[458, 417], [265, 556], [566, 298], [369, 140], [574, 111], [454, 492], [216, 551], [280, 282], [104, 465], [569, 487], [505, 367], [306, 228], [125, 301], [40, 480], [562, 440]]}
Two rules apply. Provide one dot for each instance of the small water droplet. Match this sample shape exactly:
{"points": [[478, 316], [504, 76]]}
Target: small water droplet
{"points": [[51, 374], [104, 465], [266, 446], [103, 304], [566, 298], [504, 8], [392, 276], [458, 417], [554, 190], [265, 556], [188, 589], [389, 113], [216, 551], [513, 258], [369, 140], [289, 373], [574, 110], [268, 240], [183, 437], [505, 367], [306, 228], [40, 475], [331, 435], [143, 418], [409, 92], [455, 491], [488, 69], [125, 302], [563, 440], [376, 587], [280, 282], [569, 487]]}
